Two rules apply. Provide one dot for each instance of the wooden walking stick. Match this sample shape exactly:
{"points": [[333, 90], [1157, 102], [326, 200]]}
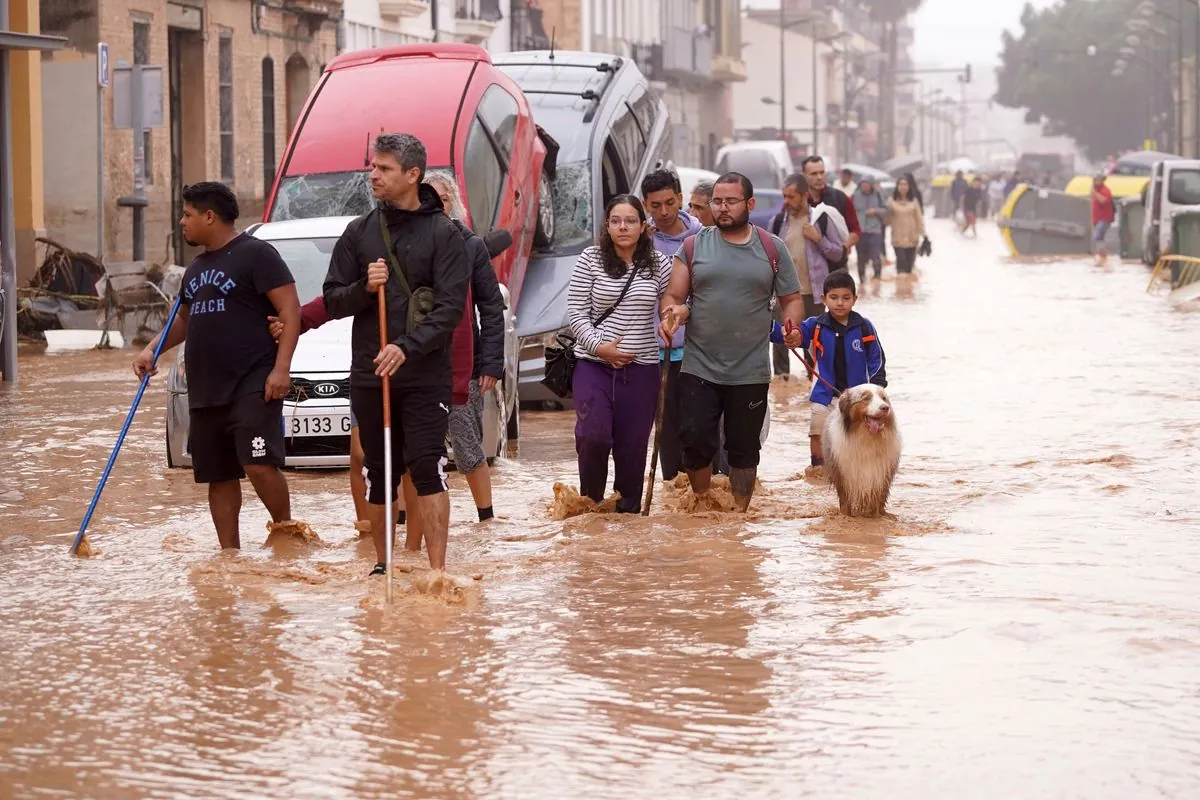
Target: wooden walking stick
{"points": [[658, 417]]}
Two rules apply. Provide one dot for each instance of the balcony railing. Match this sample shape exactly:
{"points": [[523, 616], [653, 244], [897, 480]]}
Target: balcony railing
{"points": [[475, 20]]}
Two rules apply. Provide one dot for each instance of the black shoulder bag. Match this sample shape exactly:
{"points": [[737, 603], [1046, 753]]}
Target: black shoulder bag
{"points": [[420, 302], [560, 360]]}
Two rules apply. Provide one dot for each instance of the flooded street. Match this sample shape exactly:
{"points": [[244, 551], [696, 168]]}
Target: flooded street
{"points": [[1028, 625]]}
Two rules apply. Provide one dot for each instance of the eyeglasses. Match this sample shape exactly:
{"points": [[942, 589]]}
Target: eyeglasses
{"points": [[721, 202], [624, 222]]}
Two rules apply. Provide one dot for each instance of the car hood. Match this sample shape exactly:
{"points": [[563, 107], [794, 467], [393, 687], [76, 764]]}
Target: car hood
{"points": [[324, 349], [542, 305]]}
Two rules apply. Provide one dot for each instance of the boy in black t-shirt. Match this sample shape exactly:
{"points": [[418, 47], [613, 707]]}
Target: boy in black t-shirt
{"points": [[237, 376]]}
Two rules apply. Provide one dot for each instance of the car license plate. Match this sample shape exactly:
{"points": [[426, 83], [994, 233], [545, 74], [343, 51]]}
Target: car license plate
{"points": [[317, 425]]}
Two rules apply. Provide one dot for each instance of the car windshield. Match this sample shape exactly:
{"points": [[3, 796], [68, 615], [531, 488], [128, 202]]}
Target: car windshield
{"points": [[1185, 187], [1133, 168], [308, 260], [562, 118], [328, 194]]}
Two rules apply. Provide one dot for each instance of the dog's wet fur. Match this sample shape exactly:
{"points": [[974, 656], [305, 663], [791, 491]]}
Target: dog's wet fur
{"points": [[861, 446]]}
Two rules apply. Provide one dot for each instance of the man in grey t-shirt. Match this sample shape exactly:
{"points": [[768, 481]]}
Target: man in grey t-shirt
{"points": [[726, 369]]}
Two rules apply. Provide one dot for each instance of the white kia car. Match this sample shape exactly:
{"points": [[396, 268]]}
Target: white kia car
{"points": [[317, 410]]}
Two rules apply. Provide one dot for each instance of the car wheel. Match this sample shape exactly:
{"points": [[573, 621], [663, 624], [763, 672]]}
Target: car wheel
{"points": [[544, 234], [513, 431], [170, 457]]}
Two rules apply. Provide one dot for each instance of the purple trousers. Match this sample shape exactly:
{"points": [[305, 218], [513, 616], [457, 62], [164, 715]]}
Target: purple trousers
{"points": [[614, 413]]}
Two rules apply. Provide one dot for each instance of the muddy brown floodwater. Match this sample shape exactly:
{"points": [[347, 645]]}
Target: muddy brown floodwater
{"points": [[1028, 626]]}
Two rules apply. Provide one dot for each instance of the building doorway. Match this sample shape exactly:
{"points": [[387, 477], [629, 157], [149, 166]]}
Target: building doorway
{"points": [[297, 77], [185, 67]]}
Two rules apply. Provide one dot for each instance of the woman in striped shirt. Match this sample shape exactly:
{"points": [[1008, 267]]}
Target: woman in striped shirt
{"points": [[611, 303]]}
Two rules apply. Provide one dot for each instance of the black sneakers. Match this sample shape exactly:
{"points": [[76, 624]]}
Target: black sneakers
{"points": [[380, 569]]}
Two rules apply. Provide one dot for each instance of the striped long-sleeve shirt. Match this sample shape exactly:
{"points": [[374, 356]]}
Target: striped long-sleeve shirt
{"points": [[592, 292]]}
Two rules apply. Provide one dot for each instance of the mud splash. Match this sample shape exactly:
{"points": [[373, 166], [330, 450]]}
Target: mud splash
{"points": [[568, 502]]}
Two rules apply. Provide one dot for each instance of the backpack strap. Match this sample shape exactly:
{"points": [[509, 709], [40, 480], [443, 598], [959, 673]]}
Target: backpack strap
{"points": [[689, 251], [768, 243], [777, 223]]}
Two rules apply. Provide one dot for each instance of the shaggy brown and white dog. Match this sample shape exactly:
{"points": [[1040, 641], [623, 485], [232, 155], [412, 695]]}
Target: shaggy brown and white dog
{"points": [[861, 446]]}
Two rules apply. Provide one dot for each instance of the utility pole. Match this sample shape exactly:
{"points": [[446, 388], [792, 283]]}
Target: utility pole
{"points": [[782, 79], [815, 119]]}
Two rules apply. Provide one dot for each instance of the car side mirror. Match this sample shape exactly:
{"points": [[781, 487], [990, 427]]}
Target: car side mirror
{"points": [[497, 242]]}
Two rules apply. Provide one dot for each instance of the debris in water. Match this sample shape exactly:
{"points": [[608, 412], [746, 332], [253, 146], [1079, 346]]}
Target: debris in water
{"points": [[569, 503], [85, 549], [293, 530], [363, 526], [478, 576], [442, 585]]}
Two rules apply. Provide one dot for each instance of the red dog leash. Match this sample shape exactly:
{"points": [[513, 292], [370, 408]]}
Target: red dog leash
{"points": [[788, 327]]}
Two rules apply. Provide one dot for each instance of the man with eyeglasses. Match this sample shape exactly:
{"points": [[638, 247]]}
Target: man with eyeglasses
{"points": [[722, 285]]}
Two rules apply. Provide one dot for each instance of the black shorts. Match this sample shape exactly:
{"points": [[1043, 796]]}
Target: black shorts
{"points": [[420, 422], [223, 439], [701, 405]]}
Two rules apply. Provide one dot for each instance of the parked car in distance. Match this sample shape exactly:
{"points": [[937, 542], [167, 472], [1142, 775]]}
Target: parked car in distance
{"points": [[611, 129], [690, 176], [316, 414], [767, 163], [473, 119]]}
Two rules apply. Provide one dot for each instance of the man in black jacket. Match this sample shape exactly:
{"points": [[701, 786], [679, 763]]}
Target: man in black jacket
{"points": [[425, 246]]}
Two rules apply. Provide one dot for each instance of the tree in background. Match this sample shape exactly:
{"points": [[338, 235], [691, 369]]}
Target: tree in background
{"points": [[1060, 68], [889, 13]]}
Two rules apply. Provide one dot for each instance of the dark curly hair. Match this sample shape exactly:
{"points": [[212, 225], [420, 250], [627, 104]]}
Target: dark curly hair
{"points": [[645, 259]]}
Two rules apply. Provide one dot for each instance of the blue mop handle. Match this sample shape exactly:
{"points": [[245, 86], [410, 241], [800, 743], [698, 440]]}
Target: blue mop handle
{"points": [[112, 459]]}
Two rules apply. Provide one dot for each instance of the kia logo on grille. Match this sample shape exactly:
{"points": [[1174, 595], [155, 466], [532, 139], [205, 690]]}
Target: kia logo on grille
{"points": [[325, 389]]}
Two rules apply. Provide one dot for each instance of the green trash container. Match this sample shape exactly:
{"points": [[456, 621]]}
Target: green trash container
{"points": [[1185, 241], [1131, 216]]}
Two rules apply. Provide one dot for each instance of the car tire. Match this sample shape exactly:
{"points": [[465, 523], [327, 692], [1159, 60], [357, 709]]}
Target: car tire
{"points": [[514, 431], [543, 235], [170, 458]]}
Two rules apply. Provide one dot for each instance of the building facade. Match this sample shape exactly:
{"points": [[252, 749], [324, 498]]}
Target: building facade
{"points": [[385, 23], [235, 77]]}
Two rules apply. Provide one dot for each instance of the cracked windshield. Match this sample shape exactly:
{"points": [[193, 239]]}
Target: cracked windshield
{"points": [[543, 400]]}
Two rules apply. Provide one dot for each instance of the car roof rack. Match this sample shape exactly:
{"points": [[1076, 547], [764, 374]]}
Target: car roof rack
{"points": [[610, 66]]}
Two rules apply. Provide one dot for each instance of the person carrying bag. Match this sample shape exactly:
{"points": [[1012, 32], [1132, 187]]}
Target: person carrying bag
{"points": [[615, 378]]}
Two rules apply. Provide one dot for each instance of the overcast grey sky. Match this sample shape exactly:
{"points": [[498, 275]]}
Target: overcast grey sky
{"points": [[954, 32]]}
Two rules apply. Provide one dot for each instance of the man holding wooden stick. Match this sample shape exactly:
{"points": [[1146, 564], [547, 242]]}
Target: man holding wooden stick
{"points": [[410, 250]]}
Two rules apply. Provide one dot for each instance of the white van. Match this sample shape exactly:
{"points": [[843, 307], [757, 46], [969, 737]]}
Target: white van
{"points": [[1173, 189], [766, 163]]}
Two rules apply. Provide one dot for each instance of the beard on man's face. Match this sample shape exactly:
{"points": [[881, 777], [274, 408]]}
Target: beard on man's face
{"points": [[733, 222]]}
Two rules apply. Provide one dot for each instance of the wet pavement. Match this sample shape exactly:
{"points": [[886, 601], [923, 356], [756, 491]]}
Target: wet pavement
{"points": [[1027, 625]]}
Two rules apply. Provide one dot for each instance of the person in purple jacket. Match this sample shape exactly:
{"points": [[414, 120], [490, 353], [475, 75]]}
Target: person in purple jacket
{"points": [[662, 195], [814, 243]]}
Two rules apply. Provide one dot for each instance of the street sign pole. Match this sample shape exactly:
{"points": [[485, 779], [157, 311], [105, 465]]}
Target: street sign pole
{"points": [[102, 74], [139, 167], [136, 111]]}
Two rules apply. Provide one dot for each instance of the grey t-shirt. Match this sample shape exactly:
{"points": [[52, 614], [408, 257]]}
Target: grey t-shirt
{"points": [[730, 324]]}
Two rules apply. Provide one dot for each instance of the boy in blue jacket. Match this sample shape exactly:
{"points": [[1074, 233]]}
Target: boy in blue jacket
{"points": [[846, 350]]}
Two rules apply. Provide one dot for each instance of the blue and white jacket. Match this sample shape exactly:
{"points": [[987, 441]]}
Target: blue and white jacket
{"points": [[865, 360]]}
